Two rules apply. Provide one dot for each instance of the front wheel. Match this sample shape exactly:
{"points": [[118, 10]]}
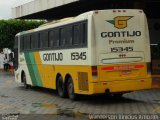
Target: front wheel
{"points": [[70, 89], [26, 86]]}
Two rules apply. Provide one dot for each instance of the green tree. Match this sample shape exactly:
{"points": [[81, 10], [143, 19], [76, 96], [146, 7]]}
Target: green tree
{"points": [[9, 28]]}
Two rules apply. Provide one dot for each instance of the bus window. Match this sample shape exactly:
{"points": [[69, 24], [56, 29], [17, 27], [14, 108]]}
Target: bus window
{"points": [[16, 42], [45, 39], [62, 36], [83, 40], [39, 41], [50, 35], [76, 34], [28, 42], [32, 41], [35, 41], [56, 38], [22, 43], [69, 34], [25, 42]]}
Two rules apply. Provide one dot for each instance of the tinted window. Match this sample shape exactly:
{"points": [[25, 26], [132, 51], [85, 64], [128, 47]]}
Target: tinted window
{"points": [[62, 36], [25, 42], [16, 42], [56, 38], [35, 41], [50, 35], [83, 40], [41, 39], [69, 34], [45, 41], [21, 43], [32, 41], [76, 34], [28, 42]]}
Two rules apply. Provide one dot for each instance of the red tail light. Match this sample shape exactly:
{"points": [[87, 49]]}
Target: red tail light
{"points": [[94, 70], [108, 68], [116, 68], [139, 66]]}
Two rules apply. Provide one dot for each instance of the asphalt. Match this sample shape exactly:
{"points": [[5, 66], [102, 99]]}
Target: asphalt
{"points": [[40, 103]]}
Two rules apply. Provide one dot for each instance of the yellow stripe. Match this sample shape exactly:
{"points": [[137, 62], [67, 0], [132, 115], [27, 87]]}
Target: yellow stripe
{"points": [[45, 71]]}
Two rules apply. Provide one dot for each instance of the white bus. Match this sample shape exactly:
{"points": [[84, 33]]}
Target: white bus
{"points": [[101, 51]]}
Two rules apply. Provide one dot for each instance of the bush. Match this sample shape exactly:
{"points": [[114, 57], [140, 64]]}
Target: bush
{"points": [[9, 28]]}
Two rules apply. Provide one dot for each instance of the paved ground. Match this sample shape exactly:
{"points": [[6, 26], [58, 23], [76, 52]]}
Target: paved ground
{"points": [[37, 102]]}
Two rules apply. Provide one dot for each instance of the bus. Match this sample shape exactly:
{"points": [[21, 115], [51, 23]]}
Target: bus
{"points": [[97, 52]]}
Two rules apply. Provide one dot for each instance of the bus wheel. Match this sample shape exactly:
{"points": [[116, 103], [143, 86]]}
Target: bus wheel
{"points": [[60, 87], [26, 86], [70, 89]]}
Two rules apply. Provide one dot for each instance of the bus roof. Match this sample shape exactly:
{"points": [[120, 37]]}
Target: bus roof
{"points": [[64, 21]]}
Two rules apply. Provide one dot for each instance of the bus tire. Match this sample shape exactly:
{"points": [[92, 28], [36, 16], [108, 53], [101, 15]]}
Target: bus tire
{"points": [[61, 87], [26, 86], [70, 89]]}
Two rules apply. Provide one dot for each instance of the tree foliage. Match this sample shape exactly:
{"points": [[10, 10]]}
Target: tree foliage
{"points": [[9, 28]]}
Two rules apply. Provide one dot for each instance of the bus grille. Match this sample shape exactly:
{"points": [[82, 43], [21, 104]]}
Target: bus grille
{"points": [[83, 81]]}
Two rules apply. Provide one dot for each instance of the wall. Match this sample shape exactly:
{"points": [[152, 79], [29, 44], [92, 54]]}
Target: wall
{"points": [[154, 30]]}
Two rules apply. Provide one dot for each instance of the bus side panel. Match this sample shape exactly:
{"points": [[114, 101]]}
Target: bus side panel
{"points": [[46, 72], [79, 74]]}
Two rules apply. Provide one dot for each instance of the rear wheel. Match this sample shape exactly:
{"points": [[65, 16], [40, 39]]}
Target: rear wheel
{"points": [[70, 89], [61, 87], [26, 86]]}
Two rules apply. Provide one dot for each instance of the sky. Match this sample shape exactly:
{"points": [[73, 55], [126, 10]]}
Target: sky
{"points": [[7, 5]]}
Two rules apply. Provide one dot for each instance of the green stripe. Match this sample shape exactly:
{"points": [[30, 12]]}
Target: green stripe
{"points": [[33, 70]]}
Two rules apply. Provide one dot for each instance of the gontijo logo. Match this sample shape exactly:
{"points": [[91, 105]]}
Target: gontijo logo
{"points": [[120, 22]]}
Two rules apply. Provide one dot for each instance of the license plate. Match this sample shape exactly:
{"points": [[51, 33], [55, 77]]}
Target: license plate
{"points": [[126, 72]]}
